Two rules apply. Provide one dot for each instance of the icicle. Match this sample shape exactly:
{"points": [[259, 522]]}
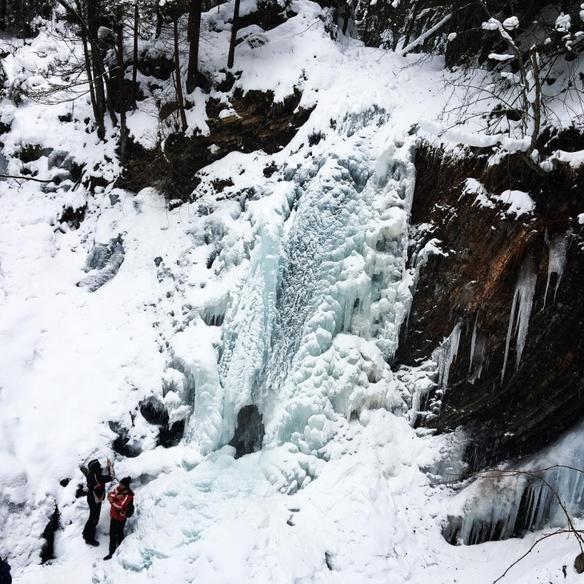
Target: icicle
{"points": [[558, 251], [447, 355], [520, 310], [473, 343], [526, 286], [509, 331], [506, 507]]}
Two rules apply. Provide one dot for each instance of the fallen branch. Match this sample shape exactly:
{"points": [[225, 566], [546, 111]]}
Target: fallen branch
{"points": [[21, 177]]}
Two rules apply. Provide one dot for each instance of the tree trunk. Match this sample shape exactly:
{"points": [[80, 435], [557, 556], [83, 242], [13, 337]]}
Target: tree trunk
{"points": [[234, 27], [179, 93], [100, 128], [135, 56], [158, 21], [95, 63], [194, 34], [120, 70], [19, 19], [2, 14]]}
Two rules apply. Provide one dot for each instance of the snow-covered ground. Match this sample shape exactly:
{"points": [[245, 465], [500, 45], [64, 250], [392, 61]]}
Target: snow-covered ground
{"points": [[287, 293]]}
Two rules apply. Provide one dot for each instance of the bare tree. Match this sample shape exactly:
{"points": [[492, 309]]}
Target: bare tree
{"points": [[178, 81], [135, 53], [120, 71], [194, 32], [2, 14], [234, 28]]}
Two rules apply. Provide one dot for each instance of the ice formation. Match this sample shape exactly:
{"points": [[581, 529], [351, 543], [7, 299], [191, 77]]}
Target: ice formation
{"points": [[446, 355], [520, 312], [311, 327], [558, 251], [512, 500]]}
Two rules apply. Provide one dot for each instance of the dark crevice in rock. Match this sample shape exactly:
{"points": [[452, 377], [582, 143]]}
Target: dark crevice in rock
{"points": [[156, 414], [249, 432], [171, 435], [73, 217], [48, 548], [121, 443], [80, 491]]}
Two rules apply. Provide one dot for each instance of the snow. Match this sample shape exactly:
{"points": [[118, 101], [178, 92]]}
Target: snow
{"points": [[511, 23], [563, 23], [519, 202], [515, 203], [287, 293], [500, 56], [574, 159]]}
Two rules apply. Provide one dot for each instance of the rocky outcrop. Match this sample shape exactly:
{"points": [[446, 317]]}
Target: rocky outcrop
{"points": [[251, 121], [514, 387]]}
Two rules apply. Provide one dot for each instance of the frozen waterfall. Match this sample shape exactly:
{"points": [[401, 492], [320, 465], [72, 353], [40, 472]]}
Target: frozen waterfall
{"points": [[312, 326]]}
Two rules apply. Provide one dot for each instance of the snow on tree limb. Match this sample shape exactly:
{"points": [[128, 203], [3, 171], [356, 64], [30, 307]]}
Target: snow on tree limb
{"points": [[417, 42]]}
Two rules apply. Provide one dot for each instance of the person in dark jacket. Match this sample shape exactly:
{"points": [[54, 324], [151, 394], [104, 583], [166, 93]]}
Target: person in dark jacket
{"points": [[96, 481], [5, 577], [122, 504]]}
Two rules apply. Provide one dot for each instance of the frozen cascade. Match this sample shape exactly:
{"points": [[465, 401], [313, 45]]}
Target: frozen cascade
{"points": [[521, 311], [508, 506], [558, 251], [317, 318]]}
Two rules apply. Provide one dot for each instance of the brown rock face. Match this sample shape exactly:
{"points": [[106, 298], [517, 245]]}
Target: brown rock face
{"points": [[491, 260]]}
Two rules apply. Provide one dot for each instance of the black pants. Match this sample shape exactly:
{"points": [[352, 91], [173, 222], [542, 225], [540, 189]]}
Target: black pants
{"points": [[116, 534], [94, 512]]}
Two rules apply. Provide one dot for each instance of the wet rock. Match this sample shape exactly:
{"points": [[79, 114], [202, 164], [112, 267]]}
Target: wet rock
{"points": [[48, 548], [32, 152], [155, 64], [154, 412], [73, 217], [122, 443], [249, 432], [472, 285], [169, 434]]}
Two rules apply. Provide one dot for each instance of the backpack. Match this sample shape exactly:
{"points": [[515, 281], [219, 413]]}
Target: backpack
{"points": [[130, 510]]}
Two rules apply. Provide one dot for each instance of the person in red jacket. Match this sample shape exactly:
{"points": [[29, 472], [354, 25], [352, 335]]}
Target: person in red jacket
{"points": [[122, 506]]}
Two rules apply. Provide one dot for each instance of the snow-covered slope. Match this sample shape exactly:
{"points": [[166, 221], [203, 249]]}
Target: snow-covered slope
{"points": [[286, 293]]}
